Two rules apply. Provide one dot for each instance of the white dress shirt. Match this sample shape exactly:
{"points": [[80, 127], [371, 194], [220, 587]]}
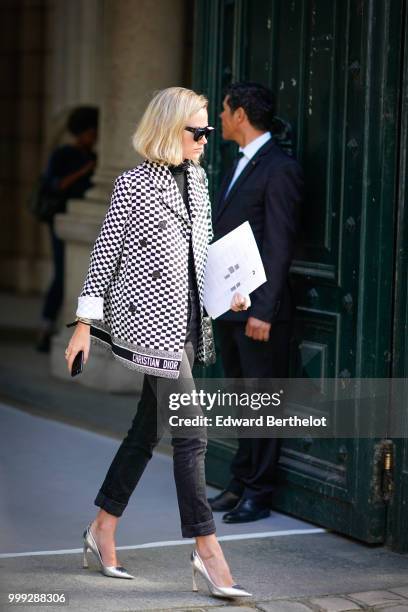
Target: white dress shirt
{"points": [[248, 152]]}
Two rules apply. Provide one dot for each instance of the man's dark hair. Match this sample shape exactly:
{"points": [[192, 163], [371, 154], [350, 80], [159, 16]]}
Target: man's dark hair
{"points": [[82, 119], [257, 101]]}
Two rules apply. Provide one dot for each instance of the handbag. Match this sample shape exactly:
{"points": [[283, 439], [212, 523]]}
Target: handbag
{"points": [[210, 356], [44, 203]]}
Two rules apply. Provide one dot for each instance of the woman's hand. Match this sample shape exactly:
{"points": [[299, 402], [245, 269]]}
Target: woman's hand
{"points": [[80, 341], [240, 302]]}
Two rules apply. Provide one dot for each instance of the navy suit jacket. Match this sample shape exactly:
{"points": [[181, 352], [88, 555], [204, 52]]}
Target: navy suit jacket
{"points": [[268, 193]]}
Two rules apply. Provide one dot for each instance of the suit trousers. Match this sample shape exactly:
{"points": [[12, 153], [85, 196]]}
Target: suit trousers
{"points": [[147, 429], [254, 465]]}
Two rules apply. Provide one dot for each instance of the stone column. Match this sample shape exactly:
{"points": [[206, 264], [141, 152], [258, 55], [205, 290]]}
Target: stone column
{"points": [[143, 51], [76, 43]]}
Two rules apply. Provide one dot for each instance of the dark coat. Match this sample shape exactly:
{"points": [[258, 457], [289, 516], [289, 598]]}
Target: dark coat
{"points": [[268, 194]]}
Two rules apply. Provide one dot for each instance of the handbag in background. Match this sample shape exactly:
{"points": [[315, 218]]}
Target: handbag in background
{"points": [[44, 203]]}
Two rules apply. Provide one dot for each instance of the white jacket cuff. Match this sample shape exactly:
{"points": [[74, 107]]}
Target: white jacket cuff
{"points": [[90, 307]]}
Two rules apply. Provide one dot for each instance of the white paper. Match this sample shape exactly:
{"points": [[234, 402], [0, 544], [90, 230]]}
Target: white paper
{"points": [[233, 265]]}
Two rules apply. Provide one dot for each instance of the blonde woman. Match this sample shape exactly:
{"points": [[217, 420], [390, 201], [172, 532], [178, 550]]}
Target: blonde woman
{"points": [[143, 299]]}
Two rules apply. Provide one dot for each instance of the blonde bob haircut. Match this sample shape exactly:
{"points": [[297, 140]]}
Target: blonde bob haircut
{"points": [[158, 136]]}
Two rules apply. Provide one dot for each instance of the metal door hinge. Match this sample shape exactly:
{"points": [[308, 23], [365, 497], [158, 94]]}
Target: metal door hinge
{"points": [[383, 475]]}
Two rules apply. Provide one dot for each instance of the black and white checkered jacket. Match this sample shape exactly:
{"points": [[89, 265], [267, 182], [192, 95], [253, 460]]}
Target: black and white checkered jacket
{"points": [[136, 288]]}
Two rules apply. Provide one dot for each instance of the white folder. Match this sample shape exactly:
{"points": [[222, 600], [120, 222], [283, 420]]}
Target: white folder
{"points": [[233, 265]]}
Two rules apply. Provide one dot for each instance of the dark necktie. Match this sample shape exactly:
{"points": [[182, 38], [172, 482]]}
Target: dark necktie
{"points": [[234, 167]]}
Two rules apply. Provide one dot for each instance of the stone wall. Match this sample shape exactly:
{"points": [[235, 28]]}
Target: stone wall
{"points": [[22, 56]]}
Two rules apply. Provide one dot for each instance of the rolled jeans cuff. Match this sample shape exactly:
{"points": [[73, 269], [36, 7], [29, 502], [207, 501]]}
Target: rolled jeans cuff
{"points": [[109, 505], [199, 529]]}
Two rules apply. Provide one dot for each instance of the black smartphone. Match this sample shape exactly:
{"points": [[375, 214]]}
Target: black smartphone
{"points": [[78, 364]]}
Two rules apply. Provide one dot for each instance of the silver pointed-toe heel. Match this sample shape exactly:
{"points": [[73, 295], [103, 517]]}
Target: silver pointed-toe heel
{"points": [[108, 570], [198, 566]]}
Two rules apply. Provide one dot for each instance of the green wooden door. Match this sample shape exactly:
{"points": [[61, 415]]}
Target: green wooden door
{"points": [[335, 66], [398, 519]]}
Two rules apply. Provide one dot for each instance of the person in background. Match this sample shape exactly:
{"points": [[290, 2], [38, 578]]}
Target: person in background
{"points": [[68, 173], [264, 187]]}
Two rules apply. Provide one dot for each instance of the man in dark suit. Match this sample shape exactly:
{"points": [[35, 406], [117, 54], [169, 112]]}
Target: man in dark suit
{"points": [[264, 187]]}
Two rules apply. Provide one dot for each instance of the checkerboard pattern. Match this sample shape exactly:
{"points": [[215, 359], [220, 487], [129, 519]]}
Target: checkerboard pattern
{"points": [[137, 284]]}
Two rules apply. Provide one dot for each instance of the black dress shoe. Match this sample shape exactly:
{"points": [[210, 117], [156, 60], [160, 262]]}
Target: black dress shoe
{"points": [[224, 501], [246, 511]]}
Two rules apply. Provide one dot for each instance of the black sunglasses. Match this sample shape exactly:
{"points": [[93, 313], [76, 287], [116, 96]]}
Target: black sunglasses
{"points": [[198, 133]]}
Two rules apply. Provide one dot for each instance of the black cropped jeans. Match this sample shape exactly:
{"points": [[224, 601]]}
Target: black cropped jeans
{"points": [[147, 428]]}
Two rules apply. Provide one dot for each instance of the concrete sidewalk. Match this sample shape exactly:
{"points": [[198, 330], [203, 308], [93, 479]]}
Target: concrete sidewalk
{"points": [[285, 574], [60, 468]]}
